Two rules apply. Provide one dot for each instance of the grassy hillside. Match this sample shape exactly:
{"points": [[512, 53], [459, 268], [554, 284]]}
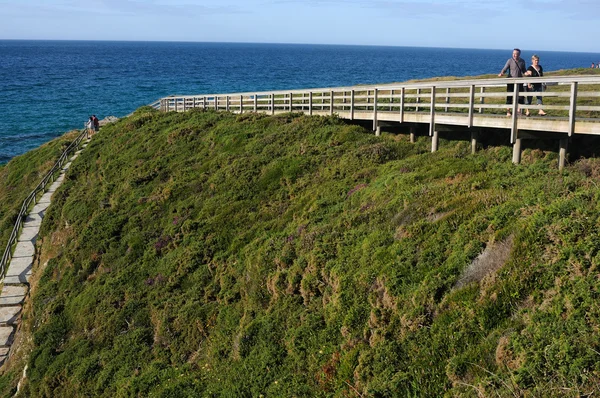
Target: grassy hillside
{"points": [[21, 175], [209, 254]]}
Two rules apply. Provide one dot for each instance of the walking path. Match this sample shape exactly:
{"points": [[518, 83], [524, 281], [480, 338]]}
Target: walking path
{"points": [[16, 282]]}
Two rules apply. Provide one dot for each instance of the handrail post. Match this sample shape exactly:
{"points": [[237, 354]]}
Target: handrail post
{"points": [[241, 104], [447, 98], [255, 103], [375, 111], [471, 105], [331, 103], [204, 104], [352, 105], [432, 112], [227, 103], [184, 104], [572, 108], [216, 99], [418, 100], [310, 103], [272, 104], [402, 92], [291, 99], [515, 107], [481, 98]]}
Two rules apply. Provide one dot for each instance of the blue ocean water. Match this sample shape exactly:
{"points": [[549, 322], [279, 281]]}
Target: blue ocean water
{"points": [[50, 87]]}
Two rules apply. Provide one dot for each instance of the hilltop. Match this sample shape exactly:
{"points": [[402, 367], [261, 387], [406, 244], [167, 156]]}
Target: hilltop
{"points": [[212, 254]]}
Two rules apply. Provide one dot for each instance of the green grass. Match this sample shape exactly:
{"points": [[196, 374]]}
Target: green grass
{"points": [[209, 254]]}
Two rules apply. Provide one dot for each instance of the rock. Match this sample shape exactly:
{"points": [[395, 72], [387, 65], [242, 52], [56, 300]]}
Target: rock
{"points": [[108, 120]]}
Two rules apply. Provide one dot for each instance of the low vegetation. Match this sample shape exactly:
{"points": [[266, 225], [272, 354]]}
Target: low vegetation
{"points": [[209, 254]]}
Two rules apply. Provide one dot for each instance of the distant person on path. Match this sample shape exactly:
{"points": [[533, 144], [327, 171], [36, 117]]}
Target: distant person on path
{"points": [[90, 127], [96, 123], [593, 65], [535, 70], [516, 68]]}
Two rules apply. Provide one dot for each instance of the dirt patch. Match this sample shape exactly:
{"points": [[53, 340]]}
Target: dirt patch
{"points": [[492, 259]]}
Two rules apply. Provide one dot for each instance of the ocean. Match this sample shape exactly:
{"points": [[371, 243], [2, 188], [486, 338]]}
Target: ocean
{"points": [[50, 87]]}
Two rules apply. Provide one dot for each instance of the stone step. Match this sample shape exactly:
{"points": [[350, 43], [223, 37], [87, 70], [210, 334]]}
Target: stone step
{"points": [[12, 295], [16, 280], [6, 335], [28, 234], [40, 208], [24, 249], [19, 271], [9, 315]]}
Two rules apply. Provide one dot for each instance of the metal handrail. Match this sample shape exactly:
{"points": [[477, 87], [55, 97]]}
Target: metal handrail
{"points": [[32, 197]]}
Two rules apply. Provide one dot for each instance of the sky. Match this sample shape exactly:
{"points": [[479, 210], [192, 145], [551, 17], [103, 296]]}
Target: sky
{"points": [[550, 25]]}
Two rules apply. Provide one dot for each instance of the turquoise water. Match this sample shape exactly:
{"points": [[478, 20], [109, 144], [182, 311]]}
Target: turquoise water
{"points": [[49, 87]]}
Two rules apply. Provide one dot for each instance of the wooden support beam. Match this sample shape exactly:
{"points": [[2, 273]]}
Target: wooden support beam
{"points": [[413, 134], [516, 158], [435, 141], [474, 138], [562, 152]]}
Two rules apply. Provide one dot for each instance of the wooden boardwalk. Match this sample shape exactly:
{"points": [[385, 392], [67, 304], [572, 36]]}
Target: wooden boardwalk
{"points": [[442, 105]]}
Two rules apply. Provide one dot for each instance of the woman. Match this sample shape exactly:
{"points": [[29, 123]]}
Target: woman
{"points": [[535, 70]]}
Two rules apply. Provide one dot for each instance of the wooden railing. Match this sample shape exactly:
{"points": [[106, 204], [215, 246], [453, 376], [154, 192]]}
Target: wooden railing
{"points": [[33, 197], [571, 101]]}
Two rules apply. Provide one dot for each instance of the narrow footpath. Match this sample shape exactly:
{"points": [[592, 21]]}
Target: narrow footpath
{"points": [[15, 286]]}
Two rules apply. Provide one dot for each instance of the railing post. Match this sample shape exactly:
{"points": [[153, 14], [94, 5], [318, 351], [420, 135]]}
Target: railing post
{"points": [[272, 104], [255, 102], [352, 105], [391, 99], [291, 99], [175, 99], [481, 98], [418, 100], [331, 103], [432, 112], [572, 108], [227, 103], [184, 104], [241, 104], [515, 107], [471, 105], [204, 104], [375, 110], [402, 92], [216, 99], [447, 98]]}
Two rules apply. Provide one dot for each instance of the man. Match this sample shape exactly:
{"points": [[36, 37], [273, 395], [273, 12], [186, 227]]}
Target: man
{"points": [[96, 123], [516, 68]]}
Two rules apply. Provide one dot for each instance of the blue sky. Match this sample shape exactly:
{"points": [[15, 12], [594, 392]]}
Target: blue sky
{"points": [[529, 24]]}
